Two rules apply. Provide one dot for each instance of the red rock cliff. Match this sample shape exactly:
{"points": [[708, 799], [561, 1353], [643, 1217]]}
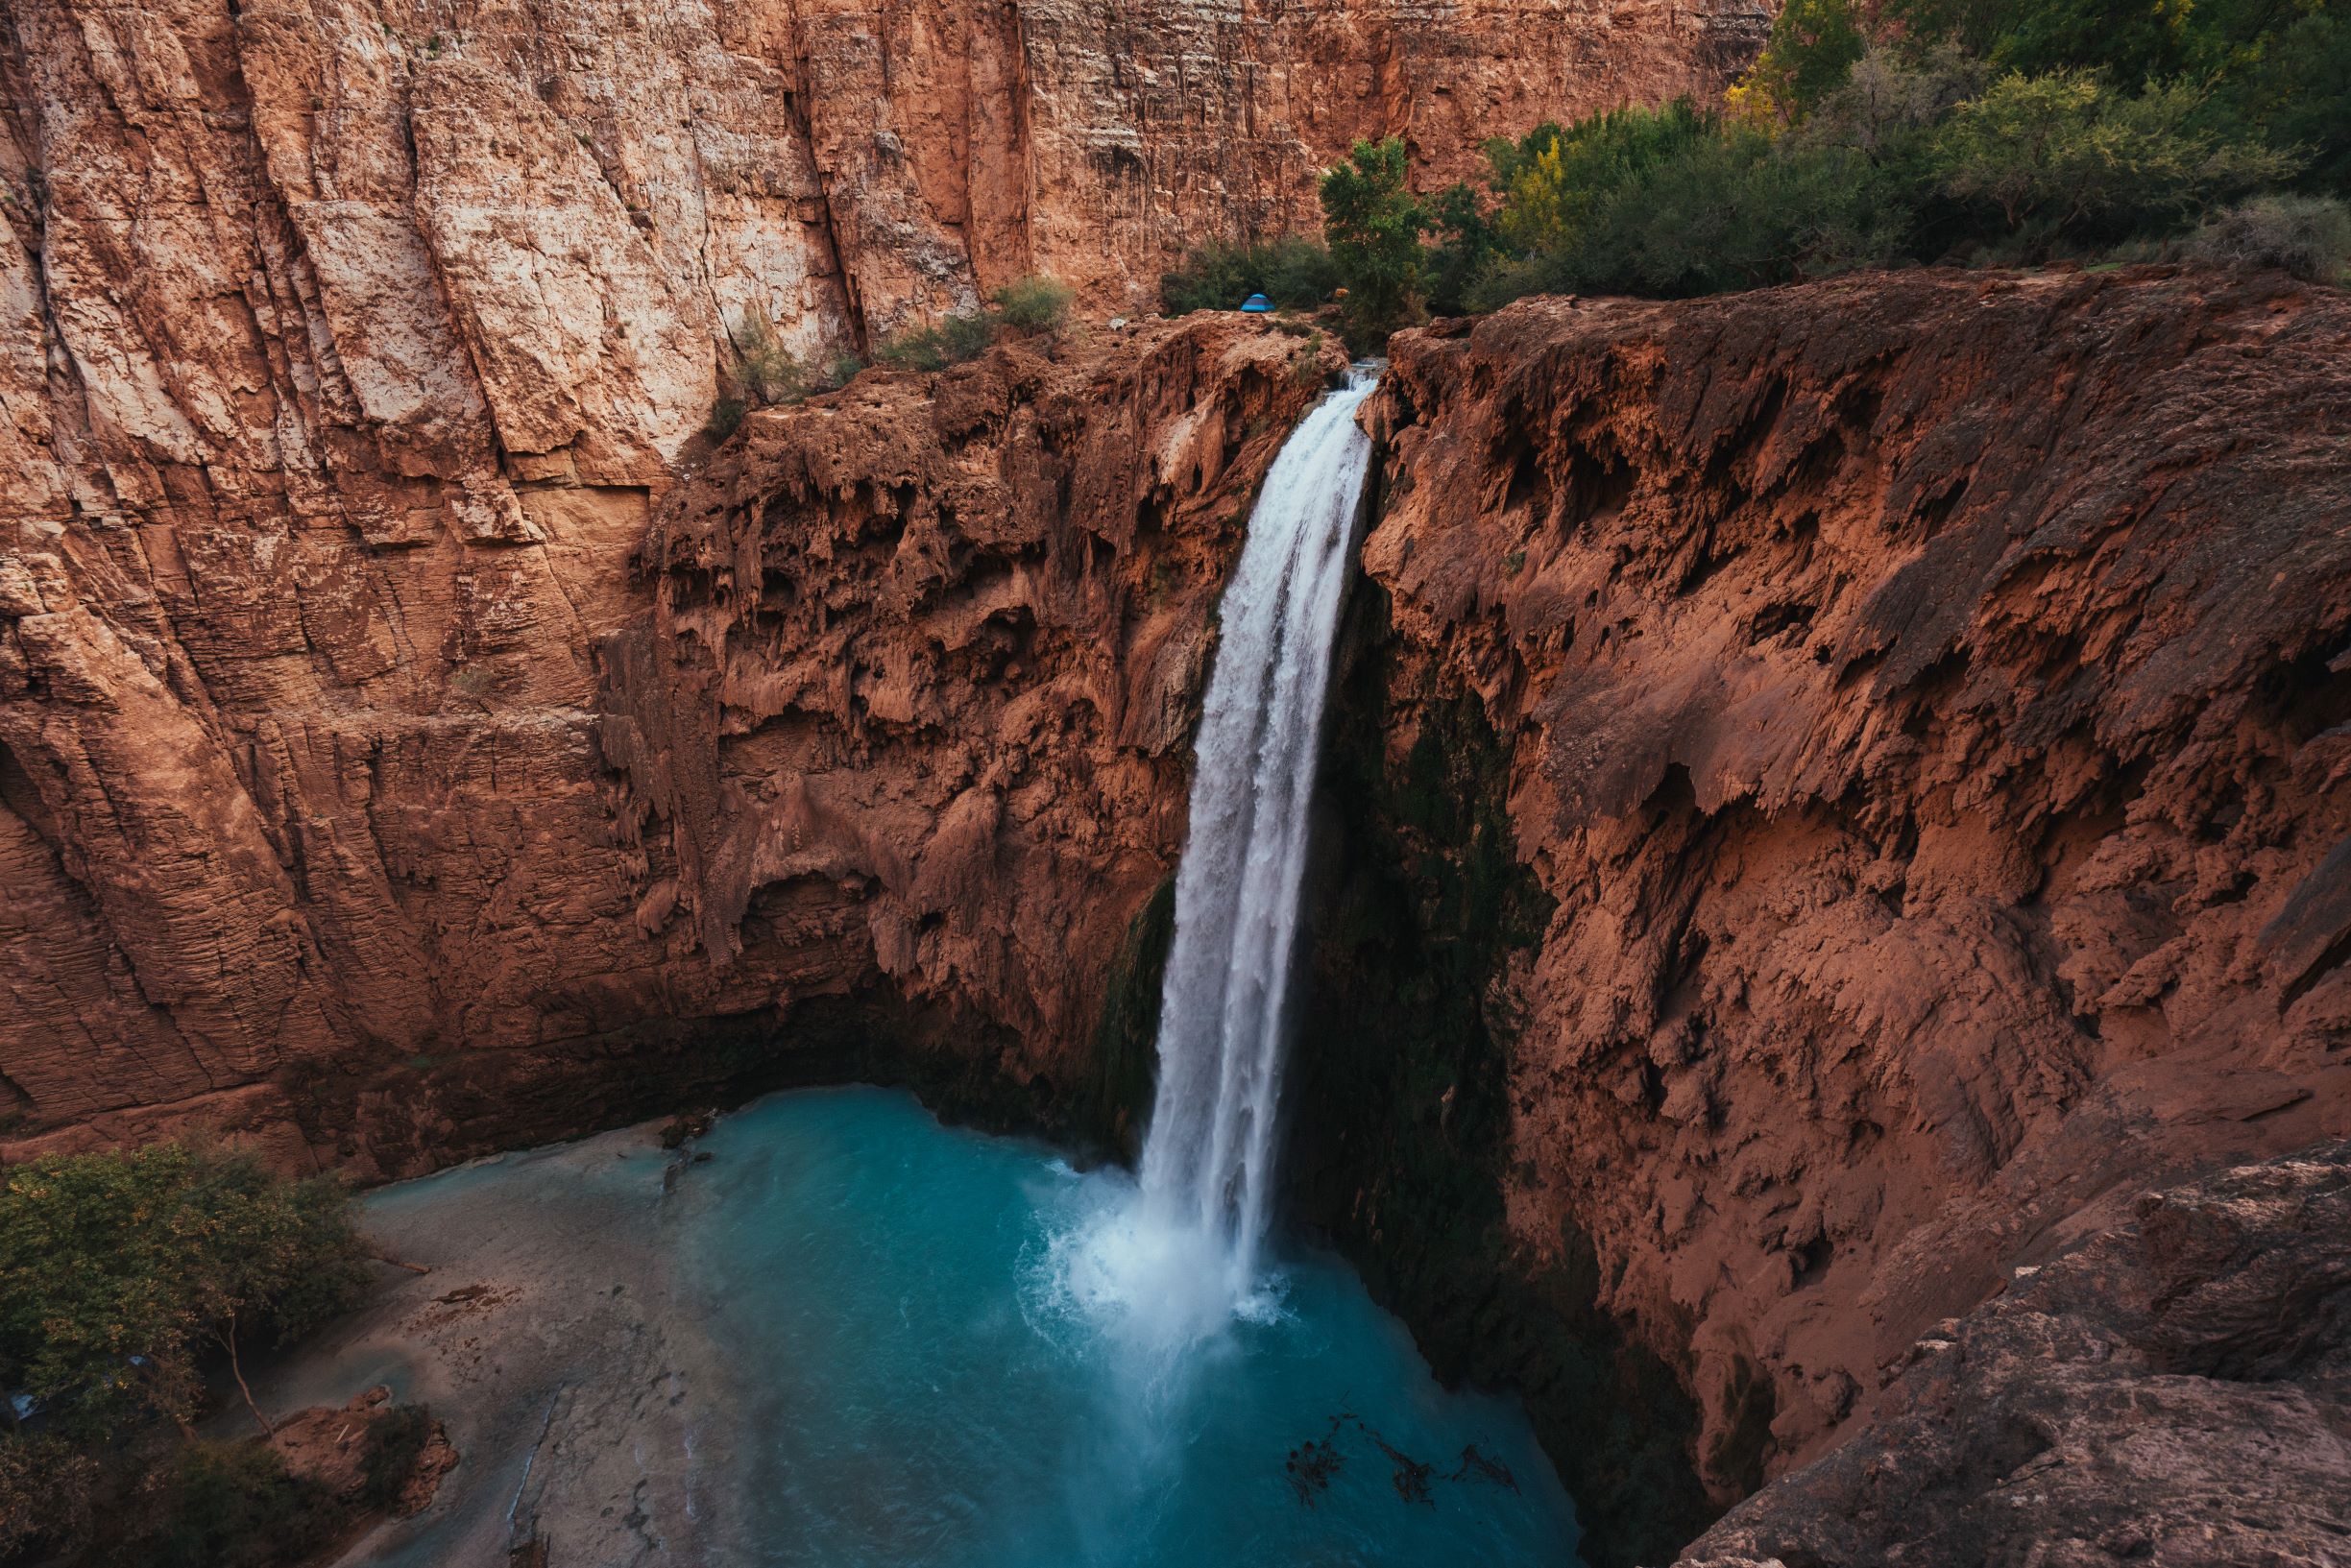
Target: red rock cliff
{"points": [[390, 853], [1922, 704]]}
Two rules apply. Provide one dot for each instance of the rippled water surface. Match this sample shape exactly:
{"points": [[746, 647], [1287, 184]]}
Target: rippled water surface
{"points": [[929, 1373]]}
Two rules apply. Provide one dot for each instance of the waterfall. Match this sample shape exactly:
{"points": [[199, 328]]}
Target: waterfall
{"points": [[1207, 1161]]}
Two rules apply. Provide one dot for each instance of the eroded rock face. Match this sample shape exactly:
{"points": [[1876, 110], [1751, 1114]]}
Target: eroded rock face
{"points": [[912, 712], [440, 205], [2171, 1393], [1848, 785], [349, 348], [1924, 706], [387, 853]]}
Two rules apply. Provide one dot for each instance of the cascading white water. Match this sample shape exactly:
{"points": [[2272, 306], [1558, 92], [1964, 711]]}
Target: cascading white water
{"points": [[1207, 1161], [1177, 1259]]}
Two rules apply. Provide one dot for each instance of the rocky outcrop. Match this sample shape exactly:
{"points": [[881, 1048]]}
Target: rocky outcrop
{"points": [[1907, 782], [335, 1446], [2169, 1393], [389, 854]]}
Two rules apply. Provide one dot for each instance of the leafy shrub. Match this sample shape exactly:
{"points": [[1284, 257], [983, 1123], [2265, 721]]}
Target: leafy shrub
{"points": [[393, 1440], [760, 372], [236, 1505], [2309, 236], [726, 416], [769, 372], [838, 371], [2068, 153], [1291, 272], [2296, 93], [1558, 178], [118, 1269], [45, 1493], [1033, 304], [956, 338], [1467, 248], [966, 336], [1678, 203]]}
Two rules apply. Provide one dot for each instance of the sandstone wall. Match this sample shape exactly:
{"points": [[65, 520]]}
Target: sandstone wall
{"points": [[1923, 703], [328, 840], [349, 349]]}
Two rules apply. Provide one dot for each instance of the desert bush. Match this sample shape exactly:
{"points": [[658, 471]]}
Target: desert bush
{"points": [[759, 372], [1033, 304], [956, 338], [2309, 236], [726, 416], [393, 1440], [1292, 272], [768, 373], [232, 1505]]}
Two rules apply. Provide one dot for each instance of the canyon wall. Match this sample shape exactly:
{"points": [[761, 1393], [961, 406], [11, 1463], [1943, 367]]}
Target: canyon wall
{"points": [[1849, 790], [385, 856], [419, 222], [1834, 792], [350, 348]]}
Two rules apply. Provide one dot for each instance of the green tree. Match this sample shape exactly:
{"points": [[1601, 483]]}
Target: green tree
{"points": [[1558, 178], [2295, 91], [119, 1270], [2064, 154], [1372, 222], [1728, 209], [1812, 48], [1466, 248]]}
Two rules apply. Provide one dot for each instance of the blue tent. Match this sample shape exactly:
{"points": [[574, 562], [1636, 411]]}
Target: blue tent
{"points": [[1257, 305]]}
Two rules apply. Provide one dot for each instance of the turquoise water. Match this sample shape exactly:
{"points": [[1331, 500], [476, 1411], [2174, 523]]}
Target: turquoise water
{"points": [[925, 1376]]}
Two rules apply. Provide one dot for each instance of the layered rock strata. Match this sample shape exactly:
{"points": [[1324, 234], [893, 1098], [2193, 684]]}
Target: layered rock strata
{"points": [[438, 217], [1906, 789], [386, 854]]}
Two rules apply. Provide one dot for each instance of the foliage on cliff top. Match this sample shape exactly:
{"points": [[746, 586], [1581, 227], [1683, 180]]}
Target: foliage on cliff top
{"points": [[1889, 133], [760, 372], [1292, 272], [1374, 223], [1033, 306]]}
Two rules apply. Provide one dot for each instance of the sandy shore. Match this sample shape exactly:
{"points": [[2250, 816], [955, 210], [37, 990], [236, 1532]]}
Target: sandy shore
{"points": [[553, 1338]]}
